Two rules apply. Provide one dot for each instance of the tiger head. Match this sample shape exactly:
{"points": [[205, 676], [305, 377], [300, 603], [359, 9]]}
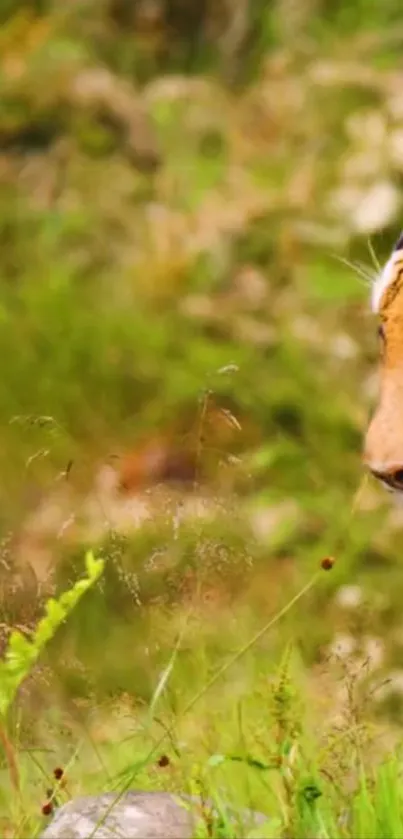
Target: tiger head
{"points": [[383, 452]]}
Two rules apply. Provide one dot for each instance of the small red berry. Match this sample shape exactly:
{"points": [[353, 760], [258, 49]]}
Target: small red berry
{"points": [[58, 773], [327, 563], [47, 809], [163, 761]]}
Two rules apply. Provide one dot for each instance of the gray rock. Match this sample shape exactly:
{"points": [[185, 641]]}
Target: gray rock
{"points": [[146, 815]]}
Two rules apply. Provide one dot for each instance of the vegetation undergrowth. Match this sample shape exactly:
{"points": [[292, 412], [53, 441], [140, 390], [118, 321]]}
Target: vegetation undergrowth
{"points": [[195, 199], [269, 756]]}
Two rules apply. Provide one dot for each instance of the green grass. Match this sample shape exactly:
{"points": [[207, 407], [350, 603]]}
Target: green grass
{"points": [[242, 735]]}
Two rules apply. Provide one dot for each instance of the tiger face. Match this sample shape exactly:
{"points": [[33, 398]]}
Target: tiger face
{"points": [[383, 452]]}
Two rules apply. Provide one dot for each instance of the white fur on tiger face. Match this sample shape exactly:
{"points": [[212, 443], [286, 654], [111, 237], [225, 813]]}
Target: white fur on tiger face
{"points": [[384, 440]]}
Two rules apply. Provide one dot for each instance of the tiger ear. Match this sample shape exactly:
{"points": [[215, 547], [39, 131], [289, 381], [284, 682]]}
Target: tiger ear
{"points": [[399, 243]]}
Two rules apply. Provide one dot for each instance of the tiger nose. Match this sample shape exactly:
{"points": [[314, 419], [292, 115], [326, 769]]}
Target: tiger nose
{"points": [[392, 478], [383, 450]]}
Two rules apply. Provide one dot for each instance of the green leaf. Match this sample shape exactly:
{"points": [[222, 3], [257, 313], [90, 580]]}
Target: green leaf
{"points": [[22, 653], [271, 829]]}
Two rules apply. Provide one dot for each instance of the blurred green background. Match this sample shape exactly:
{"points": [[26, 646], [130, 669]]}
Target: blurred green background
{"points": [[183, 186]]}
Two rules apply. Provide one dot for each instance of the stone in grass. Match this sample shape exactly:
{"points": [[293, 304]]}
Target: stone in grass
{"points": [[146, 815]]}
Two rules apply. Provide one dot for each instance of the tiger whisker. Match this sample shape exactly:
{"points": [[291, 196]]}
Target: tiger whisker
{"points": [[374, 257], [357, 268]]}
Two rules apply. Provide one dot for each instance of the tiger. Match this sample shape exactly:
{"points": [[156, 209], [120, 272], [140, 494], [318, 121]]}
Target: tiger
{"points": [[383, 447]]}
